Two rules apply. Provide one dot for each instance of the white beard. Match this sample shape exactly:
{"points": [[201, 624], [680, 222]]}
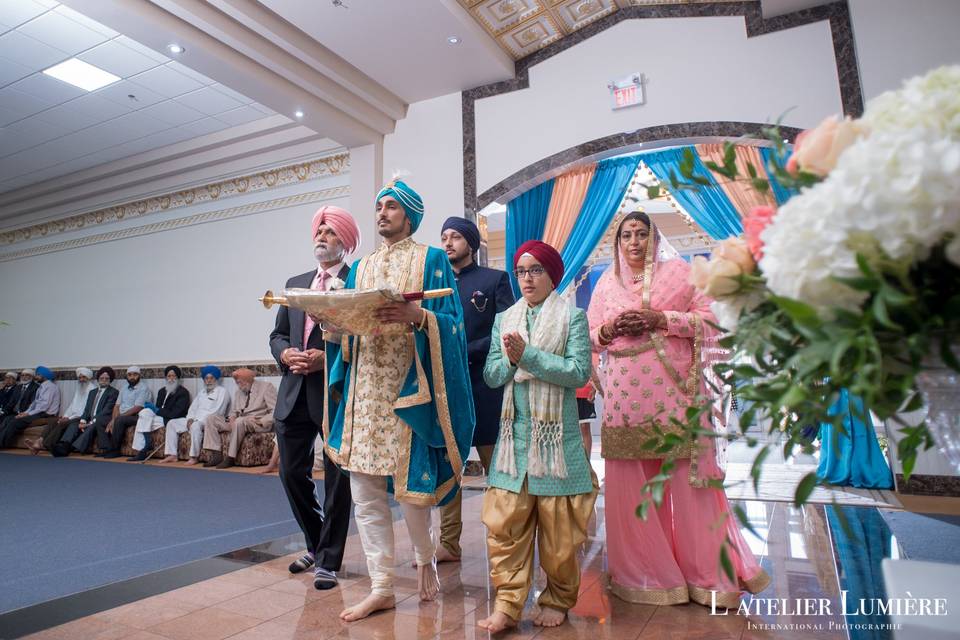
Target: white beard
{"points": [[326, 255]]}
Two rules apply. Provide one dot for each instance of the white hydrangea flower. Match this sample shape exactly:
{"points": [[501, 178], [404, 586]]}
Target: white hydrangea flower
{"points": [[727, 311], [931, 101], [897, 190]]}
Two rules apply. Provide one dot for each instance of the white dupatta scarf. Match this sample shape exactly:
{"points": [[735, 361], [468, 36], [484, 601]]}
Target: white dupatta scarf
{"points": [[545, 456]]}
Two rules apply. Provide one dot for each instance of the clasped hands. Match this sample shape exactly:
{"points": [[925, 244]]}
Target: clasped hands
{"points": [[513, 346], [303, 362], [635, 323]]}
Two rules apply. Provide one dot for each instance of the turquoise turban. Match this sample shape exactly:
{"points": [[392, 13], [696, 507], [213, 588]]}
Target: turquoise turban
{"points": [[409, 199]]}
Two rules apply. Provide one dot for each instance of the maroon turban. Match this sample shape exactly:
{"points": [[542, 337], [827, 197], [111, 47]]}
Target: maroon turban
{"points": [[545, 255]]}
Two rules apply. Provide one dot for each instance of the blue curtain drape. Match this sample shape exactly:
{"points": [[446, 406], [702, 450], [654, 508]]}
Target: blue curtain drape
{"points": [[780, 193], [854, 458], [526, 218], [707, 205], [606, 190]]}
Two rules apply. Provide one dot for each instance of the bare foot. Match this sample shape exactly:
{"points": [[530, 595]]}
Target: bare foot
{"points": [[35, 446], [428, 581], [550, 617], [269, 469], [371, 604], [497, 622], [442, 556], [445, 556], [192, 461], [167, 460]]}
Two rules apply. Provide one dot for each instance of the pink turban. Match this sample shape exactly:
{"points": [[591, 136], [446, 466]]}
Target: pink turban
{"points": [[342, 224]]}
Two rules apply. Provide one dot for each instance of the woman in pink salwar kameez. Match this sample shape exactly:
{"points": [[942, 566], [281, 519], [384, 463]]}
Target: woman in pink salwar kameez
{"points": [[653, 326]]}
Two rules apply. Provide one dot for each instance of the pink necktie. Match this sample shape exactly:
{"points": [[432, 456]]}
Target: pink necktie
{"points": [[320, 282]]}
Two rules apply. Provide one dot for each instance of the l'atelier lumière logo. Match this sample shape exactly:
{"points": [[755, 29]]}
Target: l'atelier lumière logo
{"points": [[816, 607]]}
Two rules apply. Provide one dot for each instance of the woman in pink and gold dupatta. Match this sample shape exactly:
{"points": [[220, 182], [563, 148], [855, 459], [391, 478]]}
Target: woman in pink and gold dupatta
{"points": [[653, 325]]}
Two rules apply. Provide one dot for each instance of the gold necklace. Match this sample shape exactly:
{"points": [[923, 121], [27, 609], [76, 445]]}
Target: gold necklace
{"points": [[638, 278]]}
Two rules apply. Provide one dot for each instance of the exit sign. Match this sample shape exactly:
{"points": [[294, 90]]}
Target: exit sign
{"points": [[627, 92]]}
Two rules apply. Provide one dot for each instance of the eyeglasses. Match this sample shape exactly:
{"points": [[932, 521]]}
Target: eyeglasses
{"points": [[534, 272]]}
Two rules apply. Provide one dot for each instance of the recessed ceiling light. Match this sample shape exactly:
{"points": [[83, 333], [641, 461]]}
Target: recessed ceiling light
{"points": [[453, 40], [174, 48], [81, 74], [298, 113]]}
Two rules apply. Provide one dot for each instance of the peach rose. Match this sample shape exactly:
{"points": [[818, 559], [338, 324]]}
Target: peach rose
{"points": [[817, 150], [716, 278], [753, 225], [736, 251], [699, 272]]}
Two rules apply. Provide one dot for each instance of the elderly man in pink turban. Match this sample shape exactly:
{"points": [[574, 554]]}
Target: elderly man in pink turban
{"points": [[298, 347]]}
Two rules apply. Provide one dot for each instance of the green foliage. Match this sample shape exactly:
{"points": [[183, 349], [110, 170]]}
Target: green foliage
{"points": [[788, 361]]}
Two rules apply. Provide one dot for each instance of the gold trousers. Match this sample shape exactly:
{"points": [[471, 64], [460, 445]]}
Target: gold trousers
{"points": [[560, 526], [451, 521]]}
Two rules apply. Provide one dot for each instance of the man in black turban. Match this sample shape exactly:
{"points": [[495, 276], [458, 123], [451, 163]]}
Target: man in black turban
{"points": [[483, 294]]}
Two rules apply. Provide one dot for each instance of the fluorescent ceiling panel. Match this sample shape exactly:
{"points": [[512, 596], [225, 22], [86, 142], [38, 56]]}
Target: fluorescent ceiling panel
{"points": [[81, 74]]}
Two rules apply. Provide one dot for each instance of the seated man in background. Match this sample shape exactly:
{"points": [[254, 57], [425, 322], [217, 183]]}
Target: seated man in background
{"points": [[20, 398], [133, 398], [8, 388], [46, 404], [97, 412], [54, 431], [212, 400], [252, 411], [172, 402]]}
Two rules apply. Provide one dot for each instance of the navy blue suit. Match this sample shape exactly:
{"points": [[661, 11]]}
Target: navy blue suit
{"points": [[483, 294]]}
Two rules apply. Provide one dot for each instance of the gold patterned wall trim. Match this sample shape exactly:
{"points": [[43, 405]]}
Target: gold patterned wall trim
{"points": [[326, 166], [521, 27]]}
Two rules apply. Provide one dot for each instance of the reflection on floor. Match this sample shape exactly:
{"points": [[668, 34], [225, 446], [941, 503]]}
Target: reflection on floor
{"points": [[779, 482], [809, 553]]}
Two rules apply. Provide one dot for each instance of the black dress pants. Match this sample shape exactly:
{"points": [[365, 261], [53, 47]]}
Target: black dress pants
{"points": [[325, 529], [13, 426], [112, 441]]}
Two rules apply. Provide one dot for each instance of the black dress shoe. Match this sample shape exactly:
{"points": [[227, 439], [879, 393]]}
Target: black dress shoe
{"points": [[110, 455], [215, 458], [140, 456]]}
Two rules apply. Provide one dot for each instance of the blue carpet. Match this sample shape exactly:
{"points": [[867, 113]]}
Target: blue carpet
{"points": [[67, 525], [926, 536]]}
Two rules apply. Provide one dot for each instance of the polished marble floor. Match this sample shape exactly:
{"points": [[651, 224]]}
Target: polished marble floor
{"points": [[799, 548]]}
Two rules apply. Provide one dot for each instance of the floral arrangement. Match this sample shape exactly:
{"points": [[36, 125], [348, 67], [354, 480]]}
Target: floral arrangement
{"points": [[852, 283]]}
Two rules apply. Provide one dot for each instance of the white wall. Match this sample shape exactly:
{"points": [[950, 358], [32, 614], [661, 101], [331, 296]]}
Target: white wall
{"points": [[185, 295], [429, 144], [697, 69], [897, 39]]}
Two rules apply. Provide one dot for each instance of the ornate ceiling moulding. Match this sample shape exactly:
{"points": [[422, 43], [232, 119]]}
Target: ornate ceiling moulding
{"points": [[522, 27], [331, 165], [262, 206]]}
